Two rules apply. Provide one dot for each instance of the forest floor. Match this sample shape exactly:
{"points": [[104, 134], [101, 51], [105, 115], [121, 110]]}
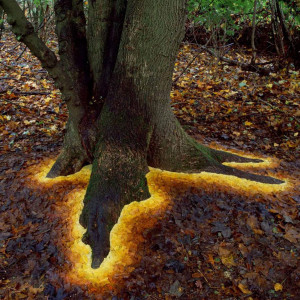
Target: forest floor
{"points": [[216, 243]]}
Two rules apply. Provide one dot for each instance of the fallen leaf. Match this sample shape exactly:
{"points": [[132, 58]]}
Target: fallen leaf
{"points": [[244, 289], [198, 284], [278, 287]]}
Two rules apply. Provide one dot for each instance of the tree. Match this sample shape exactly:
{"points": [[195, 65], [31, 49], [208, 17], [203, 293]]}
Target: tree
{"points": [[116, 78], [1, 21]]}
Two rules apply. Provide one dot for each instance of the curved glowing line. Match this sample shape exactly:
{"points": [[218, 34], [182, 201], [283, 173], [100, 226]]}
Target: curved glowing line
{"points": [[127, 235], [267, 162]]}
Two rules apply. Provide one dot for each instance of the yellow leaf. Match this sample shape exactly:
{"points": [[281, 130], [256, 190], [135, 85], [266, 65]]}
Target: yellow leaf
{"points": [[53, 128], [56, 109], [278, 287], [26, 87], [228, 261], [200, 83], [270, 85], [47, 100], [291, 144], [45, 84], [244, 289], [247, 123], [258, 231]]}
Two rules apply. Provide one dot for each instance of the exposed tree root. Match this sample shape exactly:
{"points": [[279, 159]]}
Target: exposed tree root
{"points": [[67, 163], [223, 156], [79, 142], [98, 217], [173, 150], [221, 169], [120, 167], [118, 178]]}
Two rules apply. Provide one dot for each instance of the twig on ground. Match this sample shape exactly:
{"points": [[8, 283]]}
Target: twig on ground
{"points": [[13, 48], [26, 93], [188, 65], [21, 54]]}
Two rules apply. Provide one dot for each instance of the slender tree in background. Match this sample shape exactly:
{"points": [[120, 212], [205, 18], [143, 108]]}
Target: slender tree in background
{"points": [[115, 75], [1, 21]]}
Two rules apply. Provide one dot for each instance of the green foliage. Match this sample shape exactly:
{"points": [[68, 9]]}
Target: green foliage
{"points": [[41, 2], [229, 15]]}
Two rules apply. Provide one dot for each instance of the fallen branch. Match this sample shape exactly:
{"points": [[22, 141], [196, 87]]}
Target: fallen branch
{"points": [[233, 62], [26, 93], [32, 93]]}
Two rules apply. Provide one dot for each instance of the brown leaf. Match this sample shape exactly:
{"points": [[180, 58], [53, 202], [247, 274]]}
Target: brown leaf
{"points": [[292, 235]]}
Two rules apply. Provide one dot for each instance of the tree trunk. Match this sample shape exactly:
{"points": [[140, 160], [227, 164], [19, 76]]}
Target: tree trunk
{"points": [[87, 88], [137, 126], [80, 137], [140, 87]]}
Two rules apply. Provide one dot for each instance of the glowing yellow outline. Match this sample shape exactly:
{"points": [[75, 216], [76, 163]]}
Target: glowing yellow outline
{"points": [[136, 216]]}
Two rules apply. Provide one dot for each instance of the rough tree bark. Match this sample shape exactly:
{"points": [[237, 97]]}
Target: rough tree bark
{"points": [[123, 107]]}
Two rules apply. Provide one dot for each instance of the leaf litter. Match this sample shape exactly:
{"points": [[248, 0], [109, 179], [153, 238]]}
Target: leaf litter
{"points": [[210, 243]]}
